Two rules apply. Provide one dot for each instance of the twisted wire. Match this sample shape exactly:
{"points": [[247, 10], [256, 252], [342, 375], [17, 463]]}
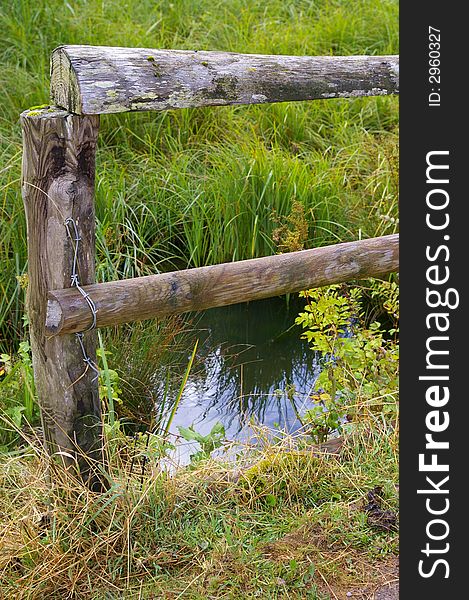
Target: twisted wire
{"points": [[75, 282]]}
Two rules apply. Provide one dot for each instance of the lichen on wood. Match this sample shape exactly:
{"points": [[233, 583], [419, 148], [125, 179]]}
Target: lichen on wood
{"points": [[102, 79]]}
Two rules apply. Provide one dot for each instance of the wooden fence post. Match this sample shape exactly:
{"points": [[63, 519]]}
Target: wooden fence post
{"points": [[58, 184]]}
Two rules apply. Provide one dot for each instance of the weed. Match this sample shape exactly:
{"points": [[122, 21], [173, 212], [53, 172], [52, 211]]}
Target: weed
{"points": [[359, 361], [208, 443], [18, 403]]}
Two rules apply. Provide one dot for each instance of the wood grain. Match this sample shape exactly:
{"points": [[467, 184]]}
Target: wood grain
{"points": [[57, 183], [102, 79], [220, 285]]}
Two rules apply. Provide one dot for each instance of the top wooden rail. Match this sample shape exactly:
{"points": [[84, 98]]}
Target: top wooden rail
{"points": [[102, 79]]}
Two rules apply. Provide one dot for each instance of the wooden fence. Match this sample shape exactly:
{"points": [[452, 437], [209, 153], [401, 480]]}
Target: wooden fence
{"points": [[65, 305]]}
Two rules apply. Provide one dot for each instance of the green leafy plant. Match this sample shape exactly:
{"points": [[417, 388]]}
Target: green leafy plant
{"points": [[386, 294], [150, 448], [360, 361], [108, 384], [208, 443], [18, 402]]}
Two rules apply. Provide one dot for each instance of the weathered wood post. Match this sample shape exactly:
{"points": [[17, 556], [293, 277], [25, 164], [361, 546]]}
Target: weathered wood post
{"points": [[58, 184], [102, 79]]}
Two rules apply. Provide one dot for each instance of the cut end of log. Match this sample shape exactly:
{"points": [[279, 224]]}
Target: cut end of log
{"points": [[54, 317], [43, 112], [64, 87]]}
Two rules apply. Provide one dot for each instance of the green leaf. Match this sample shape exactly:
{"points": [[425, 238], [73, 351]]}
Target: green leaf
{"points": [[189, 434], [217, 429]]}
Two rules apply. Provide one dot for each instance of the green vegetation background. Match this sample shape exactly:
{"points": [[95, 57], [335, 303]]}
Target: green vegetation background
{"points": [[194, 187]]}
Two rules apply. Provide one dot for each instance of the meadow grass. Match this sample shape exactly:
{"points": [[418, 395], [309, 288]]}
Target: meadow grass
{"points": [[194, 187], [280, 522]]}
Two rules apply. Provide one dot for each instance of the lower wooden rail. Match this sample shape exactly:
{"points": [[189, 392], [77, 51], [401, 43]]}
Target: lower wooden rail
{"points": [[219, 285]]}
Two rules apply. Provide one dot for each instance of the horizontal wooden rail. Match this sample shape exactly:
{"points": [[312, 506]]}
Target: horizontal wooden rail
{"points": [[220, 285], [102, 79]]}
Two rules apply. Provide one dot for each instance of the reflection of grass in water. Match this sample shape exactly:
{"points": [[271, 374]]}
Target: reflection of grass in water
{"points": [[240, 381], [273, 357], [152, 356]]}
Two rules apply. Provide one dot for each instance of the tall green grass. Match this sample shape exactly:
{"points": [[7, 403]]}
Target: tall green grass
{"points": [[193, 187]]}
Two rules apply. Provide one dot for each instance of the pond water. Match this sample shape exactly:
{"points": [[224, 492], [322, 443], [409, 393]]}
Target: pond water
{"points": [[251, 366]]}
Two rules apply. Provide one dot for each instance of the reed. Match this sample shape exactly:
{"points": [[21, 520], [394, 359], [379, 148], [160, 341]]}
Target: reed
{"points": [[193, 187]]}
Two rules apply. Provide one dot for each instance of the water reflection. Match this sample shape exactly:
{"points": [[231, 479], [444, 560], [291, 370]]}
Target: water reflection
{"points": [[251, 365]]}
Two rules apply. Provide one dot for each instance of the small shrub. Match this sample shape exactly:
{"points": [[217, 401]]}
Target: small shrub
{"points": [[360, 360]]}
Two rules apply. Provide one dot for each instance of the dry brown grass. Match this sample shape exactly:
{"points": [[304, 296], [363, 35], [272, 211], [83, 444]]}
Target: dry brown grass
{"points": [[283, 521]]}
